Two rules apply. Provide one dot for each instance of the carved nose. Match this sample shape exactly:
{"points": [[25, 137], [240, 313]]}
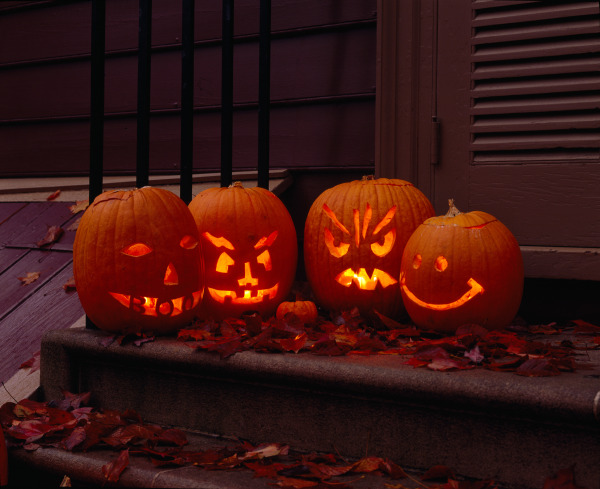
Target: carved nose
{"points": [[171, 277], [248, 278]]}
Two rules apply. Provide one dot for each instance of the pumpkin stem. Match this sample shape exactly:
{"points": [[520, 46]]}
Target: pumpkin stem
{"points": [[452, 211], [368, 177], [237, 184]]}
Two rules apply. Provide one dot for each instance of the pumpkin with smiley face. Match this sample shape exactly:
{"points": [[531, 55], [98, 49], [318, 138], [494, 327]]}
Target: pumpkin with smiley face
{"points": [[462, 268], [250, 250], [137, 262], [354, 236]]}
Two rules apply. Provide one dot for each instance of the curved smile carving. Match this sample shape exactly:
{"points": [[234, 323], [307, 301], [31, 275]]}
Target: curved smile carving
{"points": [[475, 288]]}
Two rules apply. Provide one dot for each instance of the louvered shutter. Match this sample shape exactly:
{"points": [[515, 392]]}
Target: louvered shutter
{"points": [[535, 81]]}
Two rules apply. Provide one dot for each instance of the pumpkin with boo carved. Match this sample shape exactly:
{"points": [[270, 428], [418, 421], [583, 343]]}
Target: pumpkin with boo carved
{"points": [[250, 250], [354, 236], [137, 262], [462, 268]]}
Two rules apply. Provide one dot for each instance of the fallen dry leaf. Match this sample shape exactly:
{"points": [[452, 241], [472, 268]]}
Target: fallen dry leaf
{"points": [[53, 234], [74, 225], [29, 278], [53, 195], [33, 363], [69, 285], [563, 479], [79, 206], [112, 471]]}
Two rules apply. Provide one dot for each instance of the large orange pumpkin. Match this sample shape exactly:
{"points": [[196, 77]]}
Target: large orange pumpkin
{"points": [[250, 250], [354, 236], [137, 262], [459, 269]]}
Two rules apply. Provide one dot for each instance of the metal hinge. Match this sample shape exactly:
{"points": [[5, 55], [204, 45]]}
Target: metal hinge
{"points": [[435, 141]]}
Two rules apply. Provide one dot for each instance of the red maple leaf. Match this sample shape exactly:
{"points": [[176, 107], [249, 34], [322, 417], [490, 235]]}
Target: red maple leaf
{"points": [[113, 470], [563, 479]]}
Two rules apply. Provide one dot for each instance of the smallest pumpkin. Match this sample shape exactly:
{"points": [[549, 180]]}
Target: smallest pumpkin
{"points": [[305, 311], [461, 268]]}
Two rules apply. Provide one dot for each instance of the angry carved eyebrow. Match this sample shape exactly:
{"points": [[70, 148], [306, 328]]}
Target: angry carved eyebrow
{"points": [[388, 217], [218, 242], [335, 220]]}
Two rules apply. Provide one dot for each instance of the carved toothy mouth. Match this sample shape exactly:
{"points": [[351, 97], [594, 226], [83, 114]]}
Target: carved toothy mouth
{"points": [[246, 299], [474, 289], [150, 306], [362, 279]]}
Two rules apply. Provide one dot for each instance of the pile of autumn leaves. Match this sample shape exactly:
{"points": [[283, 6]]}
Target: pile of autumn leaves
{"points": [[71, 425], [517, 349]]}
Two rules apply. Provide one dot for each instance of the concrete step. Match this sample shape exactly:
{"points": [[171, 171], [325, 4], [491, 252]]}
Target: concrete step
{"points": [[486, 425]]}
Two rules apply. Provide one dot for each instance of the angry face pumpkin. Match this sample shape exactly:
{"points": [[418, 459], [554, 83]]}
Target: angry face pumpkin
{"points": [[354, 236], [137, 262], [250, 250]]}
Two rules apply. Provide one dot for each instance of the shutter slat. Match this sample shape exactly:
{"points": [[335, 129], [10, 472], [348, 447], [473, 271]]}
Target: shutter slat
{"points": [[555, 155], [549, 122], [514, 12], [534, 104], [574, 139], [535, 92], [511, 33], [567, 47], [534, 86], [536, 68]]}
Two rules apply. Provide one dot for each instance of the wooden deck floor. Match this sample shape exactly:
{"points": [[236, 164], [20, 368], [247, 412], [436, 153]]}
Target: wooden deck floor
{"points": [[28, 311]]}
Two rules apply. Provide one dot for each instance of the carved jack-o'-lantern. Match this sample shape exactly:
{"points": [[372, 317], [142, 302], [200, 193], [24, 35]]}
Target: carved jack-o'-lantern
{"points": [[137, 262], [250, 250], [459, 269], [354, 236]]}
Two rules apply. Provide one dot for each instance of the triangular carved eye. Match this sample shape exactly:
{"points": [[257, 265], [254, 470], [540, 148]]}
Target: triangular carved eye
{"points": [[224, 262], [136, 249]]}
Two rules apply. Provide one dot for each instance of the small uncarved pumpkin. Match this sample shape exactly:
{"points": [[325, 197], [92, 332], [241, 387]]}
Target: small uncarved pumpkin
{"points": [[250, 250], [354, 236], [462, 268], [137, 262], [306, 311]]}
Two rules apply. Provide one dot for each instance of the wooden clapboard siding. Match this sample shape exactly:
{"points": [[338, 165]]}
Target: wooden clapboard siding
{"points": [[323, 67], [322, 133]]}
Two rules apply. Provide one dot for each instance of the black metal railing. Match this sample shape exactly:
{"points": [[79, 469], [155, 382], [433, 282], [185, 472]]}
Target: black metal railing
{"points": [[187, 96]]}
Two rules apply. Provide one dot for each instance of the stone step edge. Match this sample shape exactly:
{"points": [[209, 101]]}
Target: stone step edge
{"points": [[571, 398]]}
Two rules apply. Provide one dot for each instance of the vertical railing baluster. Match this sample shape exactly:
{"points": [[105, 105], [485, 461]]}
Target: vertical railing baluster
{"points": [[187, 101], [143, 98], [264, 93], [97, 98], [227, 95], [98, 45]]}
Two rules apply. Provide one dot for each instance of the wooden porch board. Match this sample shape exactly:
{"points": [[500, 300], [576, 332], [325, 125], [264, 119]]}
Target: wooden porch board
{"points": [[51, 307], [28, 311]]}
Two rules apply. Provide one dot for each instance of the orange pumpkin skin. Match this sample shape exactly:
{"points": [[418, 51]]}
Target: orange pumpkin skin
{"points": [[137, 262], [250, 250], [459, 269], [306, 311], [354, 236]]}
